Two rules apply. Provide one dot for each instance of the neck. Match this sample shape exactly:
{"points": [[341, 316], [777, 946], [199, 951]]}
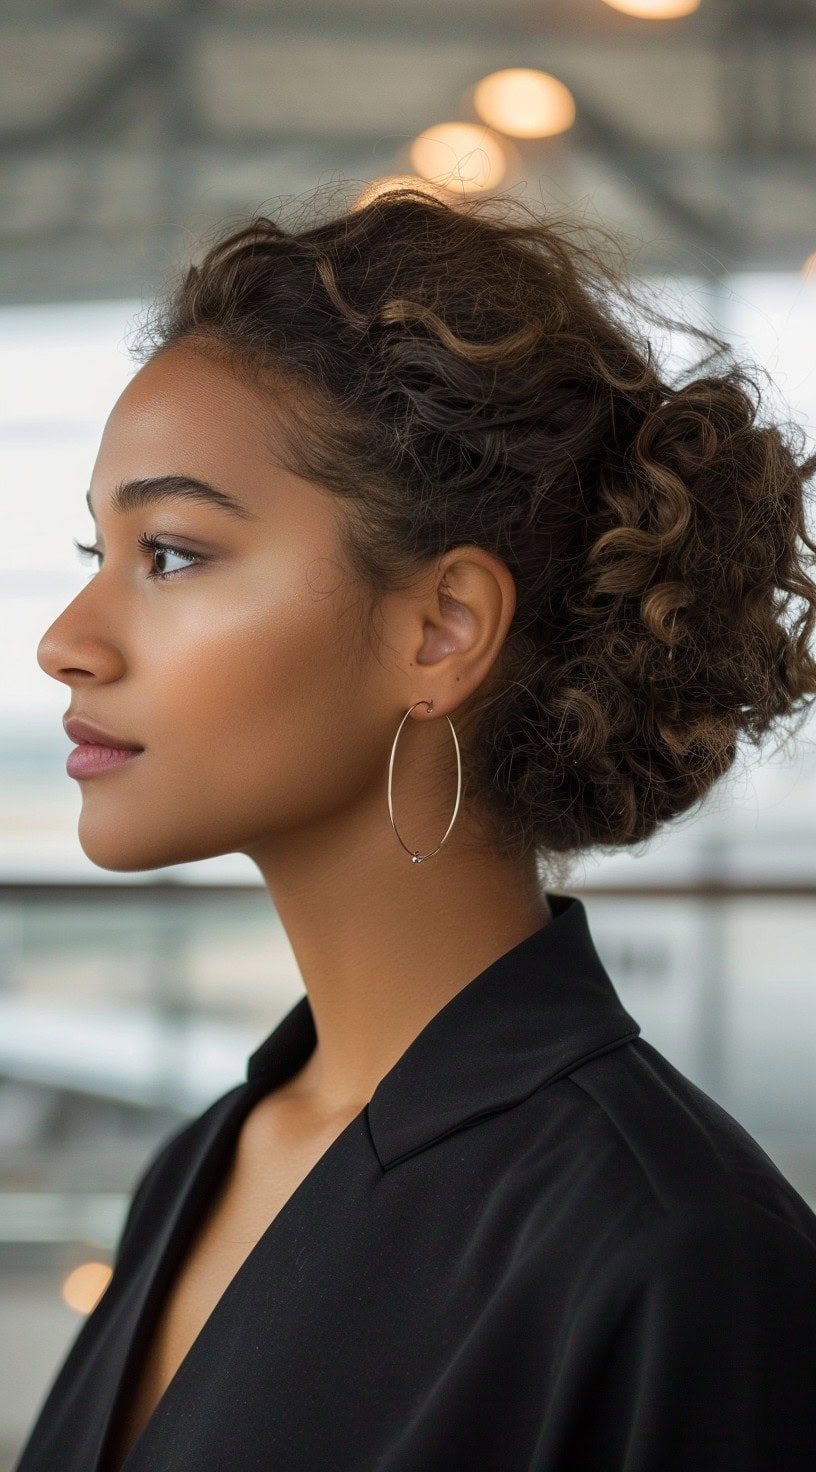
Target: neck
{"points": [[382, 944]]}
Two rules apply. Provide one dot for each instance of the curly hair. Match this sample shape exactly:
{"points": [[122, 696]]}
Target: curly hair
{"points": [[477, 373]]}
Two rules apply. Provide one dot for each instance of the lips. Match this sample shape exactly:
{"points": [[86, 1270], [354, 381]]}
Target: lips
{"points": [[84, 733]]}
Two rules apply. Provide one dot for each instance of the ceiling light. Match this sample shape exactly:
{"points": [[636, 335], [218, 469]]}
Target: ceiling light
{"points": [[459, 156], [655, 9], [389, 182], [524, 102]]}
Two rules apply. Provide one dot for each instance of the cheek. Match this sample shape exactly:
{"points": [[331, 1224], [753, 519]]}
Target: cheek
{"points": [[264, 703]]}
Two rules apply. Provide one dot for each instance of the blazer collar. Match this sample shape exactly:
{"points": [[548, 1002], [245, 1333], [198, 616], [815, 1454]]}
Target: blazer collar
{"points": [[531, 1016]]}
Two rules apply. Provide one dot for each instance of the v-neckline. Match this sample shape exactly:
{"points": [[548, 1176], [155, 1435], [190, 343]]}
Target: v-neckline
{"points": [[205, 1179]]}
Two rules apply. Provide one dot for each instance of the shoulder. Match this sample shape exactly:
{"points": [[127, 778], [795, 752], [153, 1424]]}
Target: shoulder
{"points": [[690, 1339], [702, 1235], [681, 1147]]}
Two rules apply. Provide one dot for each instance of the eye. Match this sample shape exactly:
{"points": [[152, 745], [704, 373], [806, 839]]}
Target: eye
{"points": [[151, 546]]}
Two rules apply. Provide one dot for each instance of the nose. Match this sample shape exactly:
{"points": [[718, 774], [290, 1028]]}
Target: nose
{"points": [[72, 655], [50, 654]]}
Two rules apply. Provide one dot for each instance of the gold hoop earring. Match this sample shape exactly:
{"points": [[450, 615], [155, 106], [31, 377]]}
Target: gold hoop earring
{"points": [[416, 856]]}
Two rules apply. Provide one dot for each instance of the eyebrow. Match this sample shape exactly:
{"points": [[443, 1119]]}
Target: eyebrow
{"points": [[133, 495]]}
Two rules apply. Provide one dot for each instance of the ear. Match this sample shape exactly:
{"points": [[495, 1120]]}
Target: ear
{"points": [[464, 617]]}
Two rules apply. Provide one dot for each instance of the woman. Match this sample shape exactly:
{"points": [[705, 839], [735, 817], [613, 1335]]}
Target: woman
{"points": [[400, 495]]}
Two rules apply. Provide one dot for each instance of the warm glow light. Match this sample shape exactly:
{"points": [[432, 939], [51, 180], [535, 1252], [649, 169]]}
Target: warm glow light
{"points": [[459, 156], [389, 182], [655, 9], [84, 1286], [524, 103], [809, 269]]}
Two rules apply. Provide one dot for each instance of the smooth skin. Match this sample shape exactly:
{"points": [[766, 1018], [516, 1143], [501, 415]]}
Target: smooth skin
{"points": [[267, 719]]}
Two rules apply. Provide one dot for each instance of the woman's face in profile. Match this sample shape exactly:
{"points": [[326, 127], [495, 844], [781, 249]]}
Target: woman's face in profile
{"points": [[242, 672]]}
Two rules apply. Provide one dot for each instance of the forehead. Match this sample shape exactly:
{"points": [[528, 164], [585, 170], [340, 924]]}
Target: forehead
{"points": [[185, 390], [191, 414], [186, 411]]}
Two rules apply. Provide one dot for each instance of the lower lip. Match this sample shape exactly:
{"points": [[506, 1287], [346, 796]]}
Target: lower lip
{"points": [[87, 760]]}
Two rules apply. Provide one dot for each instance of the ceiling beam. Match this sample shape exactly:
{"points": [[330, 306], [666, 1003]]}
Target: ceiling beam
{"points": [[647, 170]]}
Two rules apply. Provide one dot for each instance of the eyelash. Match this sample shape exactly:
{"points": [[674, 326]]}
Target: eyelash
{"points": [[150, 545]]}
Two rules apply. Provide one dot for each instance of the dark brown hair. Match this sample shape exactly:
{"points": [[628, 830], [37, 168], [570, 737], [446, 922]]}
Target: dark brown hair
{"points": [[476, 372]]}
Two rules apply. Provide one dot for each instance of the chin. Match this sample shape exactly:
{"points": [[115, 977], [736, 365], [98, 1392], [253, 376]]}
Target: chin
{"points": [[121, 860], [125, 852]]}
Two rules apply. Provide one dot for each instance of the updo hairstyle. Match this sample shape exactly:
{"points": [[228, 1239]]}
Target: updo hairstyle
{"points": [[478, 372]]}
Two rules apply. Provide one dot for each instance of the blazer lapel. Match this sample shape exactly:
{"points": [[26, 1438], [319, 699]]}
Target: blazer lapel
{"points": [[121, 1335]]}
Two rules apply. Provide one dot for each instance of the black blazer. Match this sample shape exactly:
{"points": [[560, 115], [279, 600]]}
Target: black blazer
{"points": [[538, 1248]]}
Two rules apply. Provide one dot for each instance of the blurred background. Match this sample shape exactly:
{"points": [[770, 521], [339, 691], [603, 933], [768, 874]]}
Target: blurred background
{"points": [[129, 130]]}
